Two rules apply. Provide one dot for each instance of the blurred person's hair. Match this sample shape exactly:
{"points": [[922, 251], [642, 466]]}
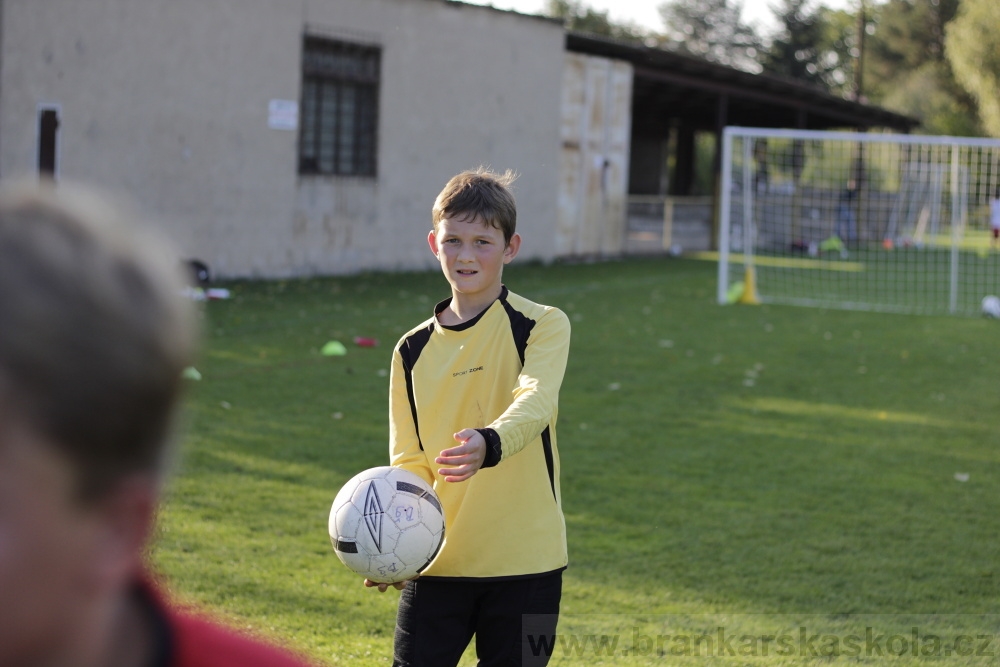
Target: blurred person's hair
{"points": [[94, 334]]}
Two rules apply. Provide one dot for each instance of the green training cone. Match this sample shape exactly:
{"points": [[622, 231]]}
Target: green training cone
{"points": [[334, 349]]}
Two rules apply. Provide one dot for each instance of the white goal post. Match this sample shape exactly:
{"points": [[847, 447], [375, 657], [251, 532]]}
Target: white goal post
{"points": [[869, 221]]}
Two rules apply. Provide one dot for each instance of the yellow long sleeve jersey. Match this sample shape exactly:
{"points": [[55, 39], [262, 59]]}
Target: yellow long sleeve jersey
{"points": [[500, 373]]}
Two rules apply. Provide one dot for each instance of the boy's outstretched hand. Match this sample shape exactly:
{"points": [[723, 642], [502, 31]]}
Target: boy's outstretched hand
{"points": [[466, 459]]}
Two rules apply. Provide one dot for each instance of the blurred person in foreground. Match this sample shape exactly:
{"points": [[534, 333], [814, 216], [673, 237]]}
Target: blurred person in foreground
{"points": [[93, 340]]}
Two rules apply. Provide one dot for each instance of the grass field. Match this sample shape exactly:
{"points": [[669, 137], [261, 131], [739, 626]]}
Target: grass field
{"points": [[738, 467], [902, 280]]}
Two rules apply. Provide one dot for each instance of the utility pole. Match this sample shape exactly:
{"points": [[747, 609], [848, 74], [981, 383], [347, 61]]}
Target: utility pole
{"points": [[860, 60], [858, 181]]}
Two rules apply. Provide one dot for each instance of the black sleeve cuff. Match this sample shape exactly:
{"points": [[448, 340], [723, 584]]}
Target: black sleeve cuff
{"points": [[493, 451]]}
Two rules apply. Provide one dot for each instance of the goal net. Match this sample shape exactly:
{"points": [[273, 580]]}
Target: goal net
{"points": [[858, 221]]}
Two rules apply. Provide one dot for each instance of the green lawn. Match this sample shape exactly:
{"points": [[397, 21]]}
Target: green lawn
{"points": [[745, 468], [869, 277]]}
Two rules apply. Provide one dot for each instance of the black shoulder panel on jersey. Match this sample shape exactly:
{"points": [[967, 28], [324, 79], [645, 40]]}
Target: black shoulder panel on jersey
{"points": [[520, 326], [549, 461], [409, 352]]}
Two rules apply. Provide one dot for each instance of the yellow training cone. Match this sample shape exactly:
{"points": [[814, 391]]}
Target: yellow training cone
{"points": [[749, 296]]}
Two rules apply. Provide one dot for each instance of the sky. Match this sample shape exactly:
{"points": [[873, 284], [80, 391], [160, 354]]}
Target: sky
{"points": [[643, 12]]}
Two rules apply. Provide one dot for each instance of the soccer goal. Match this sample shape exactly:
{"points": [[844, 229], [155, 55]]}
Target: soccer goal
{"points": [[858, 220]]}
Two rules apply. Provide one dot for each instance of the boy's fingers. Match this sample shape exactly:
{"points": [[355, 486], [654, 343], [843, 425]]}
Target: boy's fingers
{"points": [[456, 474], [382, 588], [454, 459], [457, 455], [460, 450], [454, 451]]}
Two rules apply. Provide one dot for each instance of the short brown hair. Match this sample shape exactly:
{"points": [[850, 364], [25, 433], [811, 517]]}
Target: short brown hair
{"points": [[93, 332], [481, 194]]}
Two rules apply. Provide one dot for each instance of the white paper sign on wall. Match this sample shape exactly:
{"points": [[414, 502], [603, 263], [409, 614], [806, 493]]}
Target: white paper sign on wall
{"points": [[283, 115]]}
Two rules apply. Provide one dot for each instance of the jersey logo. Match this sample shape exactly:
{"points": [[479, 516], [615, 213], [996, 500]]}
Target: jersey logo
{"points": [[467, 371]]}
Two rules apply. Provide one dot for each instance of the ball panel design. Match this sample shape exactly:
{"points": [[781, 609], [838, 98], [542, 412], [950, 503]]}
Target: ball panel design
{"points": [[386, 524], [417, 543]]}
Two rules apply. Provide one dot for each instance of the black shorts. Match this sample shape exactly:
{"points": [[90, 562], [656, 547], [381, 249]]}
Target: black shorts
{"points": [[513, 620]]}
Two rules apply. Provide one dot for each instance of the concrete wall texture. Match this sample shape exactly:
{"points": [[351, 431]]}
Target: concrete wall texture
{"points": [[167, 102]]}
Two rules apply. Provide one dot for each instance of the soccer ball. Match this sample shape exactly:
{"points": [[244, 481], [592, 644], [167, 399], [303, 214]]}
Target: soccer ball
{"points": [[386, 524], [991, 306]]}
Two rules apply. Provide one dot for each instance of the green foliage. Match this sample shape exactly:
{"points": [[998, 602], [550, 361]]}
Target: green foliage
{"points": [[926, 93], [716, 460], [974, 53], [907, 34], [906, 68], [713, 30], [826, 165], [578, 16], [704, 157], [797, 48], [839, 48]]}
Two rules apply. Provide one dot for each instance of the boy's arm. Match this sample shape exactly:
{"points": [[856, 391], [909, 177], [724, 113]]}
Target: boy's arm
{"points": [[404, 442], [536, 396]]}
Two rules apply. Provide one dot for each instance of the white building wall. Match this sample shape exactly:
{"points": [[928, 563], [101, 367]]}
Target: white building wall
{"points": [[461, 86], [167, 102]]}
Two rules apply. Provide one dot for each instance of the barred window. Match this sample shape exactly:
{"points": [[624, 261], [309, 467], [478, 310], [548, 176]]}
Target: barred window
{"points": [[339, 109]]}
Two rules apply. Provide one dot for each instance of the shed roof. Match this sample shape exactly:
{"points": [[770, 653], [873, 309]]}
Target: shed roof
{"points": [[669, 85]]}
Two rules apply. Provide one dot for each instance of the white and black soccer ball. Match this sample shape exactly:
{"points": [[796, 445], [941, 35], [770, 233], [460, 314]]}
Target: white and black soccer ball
{"points": [[990, 306], [386, 524]]}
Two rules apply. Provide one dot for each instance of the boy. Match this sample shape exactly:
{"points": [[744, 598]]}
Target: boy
{"points": [[93, 339], [485, 372]]}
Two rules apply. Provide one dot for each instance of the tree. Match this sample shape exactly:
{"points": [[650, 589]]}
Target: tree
{"points": [[906, 67], [924, 93], [905, 34], [798, 49], [713, 30], [839, 50], [578, 16], [973, 49]]}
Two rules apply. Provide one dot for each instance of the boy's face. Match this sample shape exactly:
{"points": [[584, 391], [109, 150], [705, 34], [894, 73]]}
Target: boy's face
{"points": [[50, 550], [472, 255]]}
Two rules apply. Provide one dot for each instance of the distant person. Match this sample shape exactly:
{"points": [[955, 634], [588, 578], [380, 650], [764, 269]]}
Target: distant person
{"points": [[761, 176], [93, 340], [847, 223], [995, 219], [484, 371]]}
